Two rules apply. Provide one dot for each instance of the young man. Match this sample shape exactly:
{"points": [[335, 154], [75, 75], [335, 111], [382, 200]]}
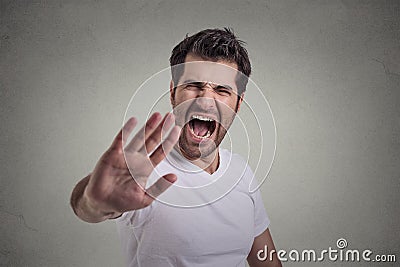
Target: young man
{"points": [[221, 226]]}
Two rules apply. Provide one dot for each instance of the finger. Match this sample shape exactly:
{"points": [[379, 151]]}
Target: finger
{"points": [[155, 138], [128, 128], [165, 147], [123, 134], [138, 140], [140, 181], [159, 187]]}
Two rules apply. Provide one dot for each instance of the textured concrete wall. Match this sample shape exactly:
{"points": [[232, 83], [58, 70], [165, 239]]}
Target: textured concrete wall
{"points": [[330, 70]]}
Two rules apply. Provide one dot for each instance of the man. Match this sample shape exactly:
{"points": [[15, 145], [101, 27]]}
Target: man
{"points": [[184, 227]]}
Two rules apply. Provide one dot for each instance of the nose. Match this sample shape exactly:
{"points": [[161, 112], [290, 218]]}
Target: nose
{"points": [[205, 98]]}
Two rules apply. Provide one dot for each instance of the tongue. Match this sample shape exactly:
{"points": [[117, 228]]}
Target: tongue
{"points": [[200, 128]]}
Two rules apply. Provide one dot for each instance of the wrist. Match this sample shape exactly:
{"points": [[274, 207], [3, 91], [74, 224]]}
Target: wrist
{"points": [[85, 207], [90, 210]]}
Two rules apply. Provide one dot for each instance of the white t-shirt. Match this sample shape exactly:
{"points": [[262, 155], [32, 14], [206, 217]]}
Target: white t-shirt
{"points": [[193, 224]]}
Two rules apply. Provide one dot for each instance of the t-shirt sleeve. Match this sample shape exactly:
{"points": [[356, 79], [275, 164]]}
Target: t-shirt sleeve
{"points": [[135, 218], [126, 218], [261, 220]]}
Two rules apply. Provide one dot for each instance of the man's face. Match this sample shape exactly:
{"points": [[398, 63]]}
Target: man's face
{"points": [[205, 103]]}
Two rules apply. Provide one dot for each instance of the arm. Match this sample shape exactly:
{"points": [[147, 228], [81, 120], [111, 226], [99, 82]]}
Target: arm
{"points": [[110, 189], [264, 239]]}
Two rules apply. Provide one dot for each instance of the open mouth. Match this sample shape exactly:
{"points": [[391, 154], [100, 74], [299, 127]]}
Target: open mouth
{"points": [[201, 126]]}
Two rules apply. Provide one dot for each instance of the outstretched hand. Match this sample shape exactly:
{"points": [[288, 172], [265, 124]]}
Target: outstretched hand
{"points": [[111, 188]]}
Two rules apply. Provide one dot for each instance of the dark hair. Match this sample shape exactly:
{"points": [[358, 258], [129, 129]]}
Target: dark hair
{"points": [[213, 44]]}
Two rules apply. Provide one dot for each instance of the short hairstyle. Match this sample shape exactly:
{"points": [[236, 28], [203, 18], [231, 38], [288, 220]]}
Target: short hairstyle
{"points": [[213, 44]]}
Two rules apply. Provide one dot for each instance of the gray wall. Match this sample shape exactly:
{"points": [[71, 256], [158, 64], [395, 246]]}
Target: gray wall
{"points": [[330, 70]]}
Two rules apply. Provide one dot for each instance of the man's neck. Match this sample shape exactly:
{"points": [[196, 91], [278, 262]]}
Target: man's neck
{"points": [[209, 163]]}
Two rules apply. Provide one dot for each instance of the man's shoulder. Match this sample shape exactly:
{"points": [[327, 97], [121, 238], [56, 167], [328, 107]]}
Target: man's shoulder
{"points": [[237, 166]]}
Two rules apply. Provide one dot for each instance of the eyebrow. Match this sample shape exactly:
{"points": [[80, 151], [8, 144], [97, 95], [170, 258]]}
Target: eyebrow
{"points": [[189, 81]]}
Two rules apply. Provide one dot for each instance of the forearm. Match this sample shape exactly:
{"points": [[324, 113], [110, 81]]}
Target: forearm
{"points": [[265, 239], [84, 207]]}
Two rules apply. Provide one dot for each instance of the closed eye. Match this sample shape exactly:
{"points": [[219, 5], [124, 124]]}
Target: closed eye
{"points": [[223, 90], [195, 85]]}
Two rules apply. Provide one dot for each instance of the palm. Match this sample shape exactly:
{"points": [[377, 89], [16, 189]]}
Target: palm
{"points": [[111, 183]]}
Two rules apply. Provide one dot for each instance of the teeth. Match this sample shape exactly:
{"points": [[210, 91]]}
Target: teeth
{"points": [[202, 118], [206, 136], [202, 137]]}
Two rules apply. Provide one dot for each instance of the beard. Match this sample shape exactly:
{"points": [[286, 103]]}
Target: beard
{"points": [[197, 144], [203, 149]]}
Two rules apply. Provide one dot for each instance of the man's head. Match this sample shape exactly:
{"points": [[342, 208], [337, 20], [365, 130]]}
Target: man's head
{"points": [[210, 72], [213, 45]]}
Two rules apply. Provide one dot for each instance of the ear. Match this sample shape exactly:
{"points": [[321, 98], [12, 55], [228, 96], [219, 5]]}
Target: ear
{"points": [[171, 93], [239, 102]]}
